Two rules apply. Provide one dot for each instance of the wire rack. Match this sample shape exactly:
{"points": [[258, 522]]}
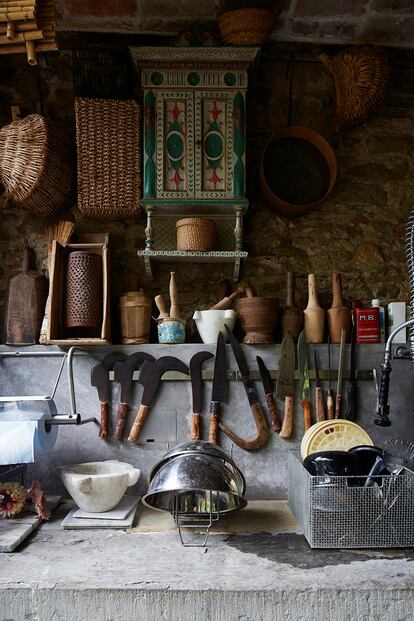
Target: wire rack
{"points": [[338, 512]]}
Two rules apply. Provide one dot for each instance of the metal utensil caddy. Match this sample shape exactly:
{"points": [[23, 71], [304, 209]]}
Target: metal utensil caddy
{"points": [[338, 512]]}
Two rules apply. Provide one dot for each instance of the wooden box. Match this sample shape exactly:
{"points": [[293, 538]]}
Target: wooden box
{"points": [[99, 244]]}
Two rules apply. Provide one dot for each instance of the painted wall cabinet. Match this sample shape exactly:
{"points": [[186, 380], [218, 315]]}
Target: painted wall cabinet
{"points": [[194, 132]]}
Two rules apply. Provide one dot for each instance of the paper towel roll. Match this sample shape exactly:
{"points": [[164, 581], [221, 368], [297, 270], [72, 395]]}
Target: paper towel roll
{"points": [[23, 434]]}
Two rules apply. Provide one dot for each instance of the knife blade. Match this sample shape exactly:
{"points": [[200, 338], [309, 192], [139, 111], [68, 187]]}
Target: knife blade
{"points": [[330, 397], [218, 390], [286, 383], [302, 349], [268, 388], [320, 410], [100, 380], [338, 399], [260, 419], [352, 386]]}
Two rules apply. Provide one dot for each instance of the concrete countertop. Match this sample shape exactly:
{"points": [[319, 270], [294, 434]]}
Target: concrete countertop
{"points": [[124, 576]]}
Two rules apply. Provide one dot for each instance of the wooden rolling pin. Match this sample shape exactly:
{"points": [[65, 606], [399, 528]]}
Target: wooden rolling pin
{"points": [[339, 315], [227, 302], [175, 312], [292, 317], [314, 315]]}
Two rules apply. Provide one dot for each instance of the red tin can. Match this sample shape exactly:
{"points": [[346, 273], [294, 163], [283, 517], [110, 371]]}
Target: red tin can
{"points": [[367, 322]]}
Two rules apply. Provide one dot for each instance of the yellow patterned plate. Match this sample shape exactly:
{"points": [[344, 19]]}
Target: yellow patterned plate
{"points": [[333, 435]]}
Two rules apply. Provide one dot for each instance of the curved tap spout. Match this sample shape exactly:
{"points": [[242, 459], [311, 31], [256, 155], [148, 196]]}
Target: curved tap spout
{"points": [[383, 408]]}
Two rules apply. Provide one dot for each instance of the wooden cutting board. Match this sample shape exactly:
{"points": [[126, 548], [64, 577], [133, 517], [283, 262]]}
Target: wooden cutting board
{"points": [[25, 306]]}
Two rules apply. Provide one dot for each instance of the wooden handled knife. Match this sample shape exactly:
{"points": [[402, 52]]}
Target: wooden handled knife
{"points": [[218, 390], [319, 406], [286, 383], [196, 363], [338, 399], [269, 388], [302, 349]]}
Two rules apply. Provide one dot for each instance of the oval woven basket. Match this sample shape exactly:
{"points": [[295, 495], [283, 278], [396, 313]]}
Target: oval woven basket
{"points": [[360, 76], [247, 26], [36, 163], [195, 234]]}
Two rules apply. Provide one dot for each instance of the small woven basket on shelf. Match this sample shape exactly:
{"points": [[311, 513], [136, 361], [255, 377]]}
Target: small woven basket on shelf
{"points": [[360, 76], [195, 234], [108, 139], [248, 26], [36, 162]]}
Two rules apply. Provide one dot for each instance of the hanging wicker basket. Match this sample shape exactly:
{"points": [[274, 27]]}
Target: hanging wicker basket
{"points": [[195, 234], [247, 26], [108, 139], [360, 75], [36, 161]]}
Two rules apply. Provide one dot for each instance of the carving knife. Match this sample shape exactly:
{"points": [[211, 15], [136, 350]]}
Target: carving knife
{"points": [[196, 363], [352, 386], [320, 410], [260, 419], [304, 378], [329, 399], [269, 388], [218, 390], [286, 383], [338, 398]]}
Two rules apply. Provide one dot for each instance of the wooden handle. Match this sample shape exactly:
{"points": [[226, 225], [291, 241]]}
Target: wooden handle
{"points": [[195, 427], [287, 424], [160, 302], [330, 411], [214, 422], [307, 413], [338, 406], [175, 312], [320, 410], [138, 423], [337, 296], [120, 421], [104, 427], [262, 427], [290, 290], [249, 292], [271, 406], [227, 302], [312, 292]]}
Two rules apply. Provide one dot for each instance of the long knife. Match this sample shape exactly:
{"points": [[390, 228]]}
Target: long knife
{"points": [[330, 397], [286, 383], [260, 419], [218, 390], [196, 363], [319, 407], [352, 386], [269, 388], [338, 398], [302, 348]]}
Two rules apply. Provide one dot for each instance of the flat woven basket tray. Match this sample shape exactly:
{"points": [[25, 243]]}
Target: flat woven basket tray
{"points": [[108, 139]]}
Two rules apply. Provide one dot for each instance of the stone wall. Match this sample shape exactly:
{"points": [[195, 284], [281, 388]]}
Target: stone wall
{"points": [[358, 229]]}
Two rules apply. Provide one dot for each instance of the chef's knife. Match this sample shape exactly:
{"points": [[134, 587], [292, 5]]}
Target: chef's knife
{"points": [[196, 363], [260, 419], [286, 383], [304, 378], [150, 377], [124, 373], [218, 389], [319, 407], [338, 398], [352, 386], [269, 388], [100, 380]]}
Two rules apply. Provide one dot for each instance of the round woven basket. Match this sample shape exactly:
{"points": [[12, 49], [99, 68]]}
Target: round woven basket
{"points": [[37, 164], [195, 234], [246, 26]]}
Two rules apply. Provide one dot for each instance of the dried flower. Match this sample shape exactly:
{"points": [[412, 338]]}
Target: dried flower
{"points": [[13, 499]]}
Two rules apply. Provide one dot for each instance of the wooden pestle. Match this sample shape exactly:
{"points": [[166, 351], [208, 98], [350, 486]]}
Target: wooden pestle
{"points": [[339, 315], [227, 302], [249, 291], [175, 312], [292, 317], [314, 315], [160, 302]]}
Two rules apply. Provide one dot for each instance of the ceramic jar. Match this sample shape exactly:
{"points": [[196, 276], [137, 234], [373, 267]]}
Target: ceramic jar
{"points": [[258, 318], [171, 330], [211, 322]]}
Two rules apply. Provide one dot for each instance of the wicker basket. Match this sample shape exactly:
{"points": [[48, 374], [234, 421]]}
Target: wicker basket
{"points": [[195, 234], [36, 162], [360, 75], [108, 138], [246, 26]]}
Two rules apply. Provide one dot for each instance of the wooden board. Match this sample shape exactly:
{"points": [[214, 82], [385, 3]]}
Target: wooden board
{"points": [[14, 530]]}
